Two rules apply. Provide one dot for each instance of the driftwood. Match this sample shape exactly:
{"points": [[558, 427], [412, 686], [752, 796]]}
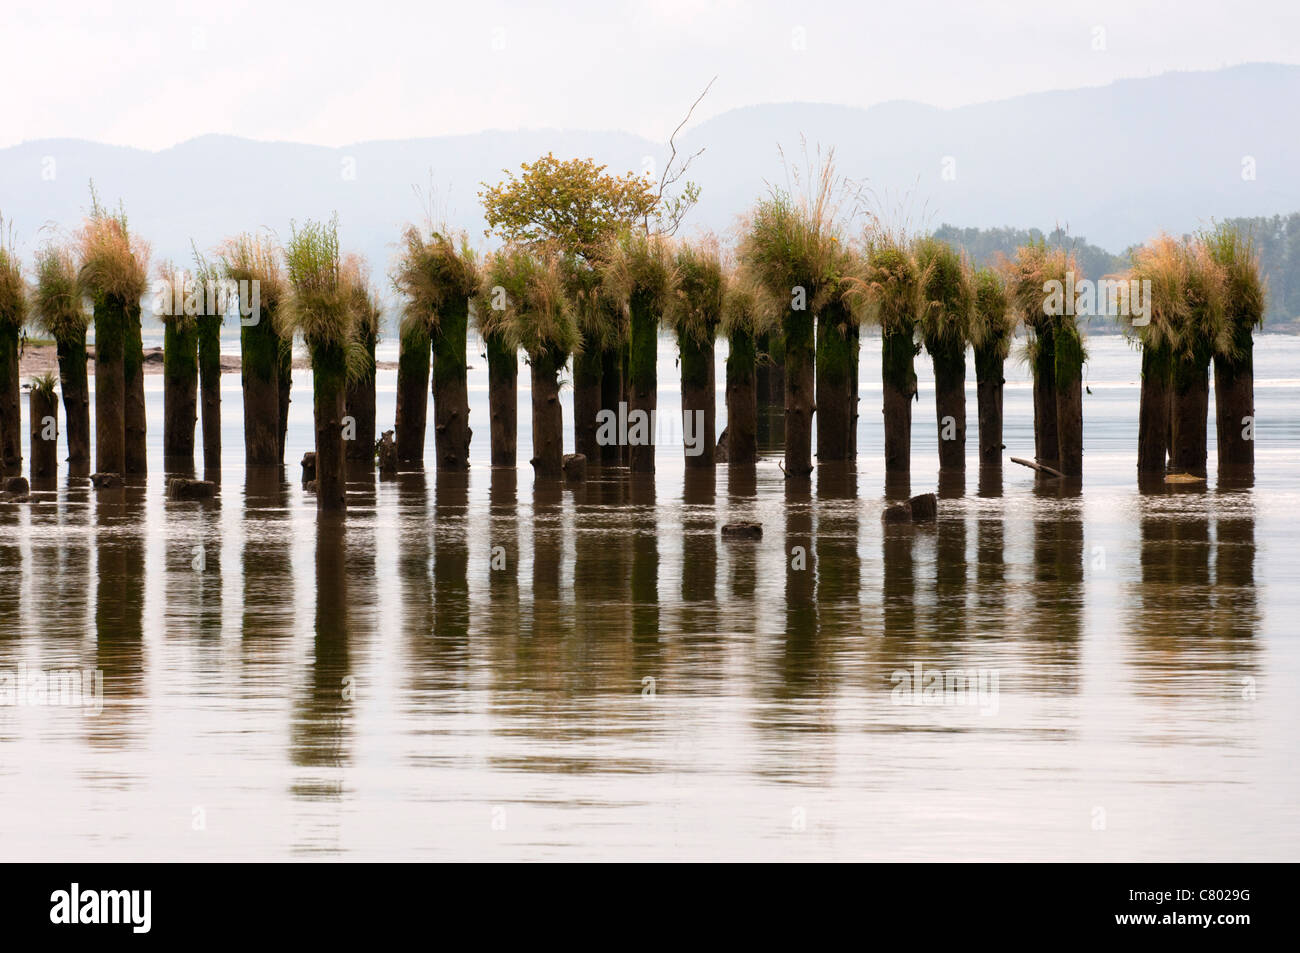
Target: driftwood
{"points": [[1038, 466]]}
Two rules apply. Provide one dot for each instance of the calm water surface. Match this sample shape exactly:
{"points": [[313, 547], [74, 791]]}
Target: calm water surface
{"points": [[630, 685]]}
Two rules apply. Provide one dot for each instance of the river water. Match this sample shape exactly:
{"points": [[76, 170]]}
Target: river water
{"points": [[475, 668]]}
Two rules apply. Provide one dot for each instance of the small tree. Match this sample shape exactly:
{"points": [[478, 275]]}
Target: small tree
{"points": [[573, 204]]}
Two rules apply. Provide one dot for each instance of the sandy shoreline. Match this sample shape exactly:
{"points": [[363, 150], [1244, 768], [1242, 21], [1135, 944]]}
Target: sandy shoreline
{"points": [[39, 359]]}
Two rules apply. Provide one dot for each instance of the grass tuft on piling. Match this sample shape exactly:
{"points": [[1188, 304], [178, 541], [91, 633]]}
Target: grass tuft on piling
{"points": [[56, 298]]}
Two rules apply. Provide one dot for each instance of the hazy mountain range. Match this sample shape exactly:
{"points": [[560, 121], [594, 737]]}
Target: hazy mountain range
{"points": [[1115, 164]]}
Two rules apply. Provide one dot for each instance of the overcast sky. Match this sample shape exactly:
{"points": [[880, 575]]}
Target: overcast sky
{"points": [[151, 74]]}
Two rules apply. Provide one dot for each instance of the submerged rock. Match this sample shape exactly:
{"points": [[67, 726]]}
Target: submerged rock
{"points": [[897, 513], [575, 467], [183, 488], [386, 452], [919, 509], [16, 489], [924, 508]]}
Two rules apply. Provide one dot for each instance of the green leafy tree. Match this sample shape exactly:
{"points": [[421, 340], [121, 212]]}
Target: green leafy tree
{"points": [[572, 202]]}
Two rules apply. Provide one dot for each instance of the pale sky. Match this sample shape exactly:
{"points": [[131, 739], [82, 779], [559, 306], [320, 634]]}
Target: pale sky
{"points": [[151, 74]]}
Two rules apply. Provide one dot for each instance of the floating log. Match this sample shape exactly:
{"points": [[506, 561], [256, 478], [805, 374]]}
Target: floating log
{"points": [[1038, 466]]}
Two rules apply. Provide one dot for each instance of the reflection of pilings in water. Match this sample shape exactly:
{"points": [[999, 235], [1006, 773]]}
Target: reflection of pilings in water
{"points": [[597, 657], [742, 561], [898, 485], [451, 558], [1185, 624], [990, 557], [60, 567], [596, 568], [11, 573], [432, 664], [644, 571], [699, 572], [839, 567], [1172, 610], [1058, 589], [548, 557], [361, 476], [267, 614], [898, 595], [192, 562], [319, 735], [503, 542], [801, 668], [952, 484], [990, 482], [119, 597], [950, 577], [1236, 602]]}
